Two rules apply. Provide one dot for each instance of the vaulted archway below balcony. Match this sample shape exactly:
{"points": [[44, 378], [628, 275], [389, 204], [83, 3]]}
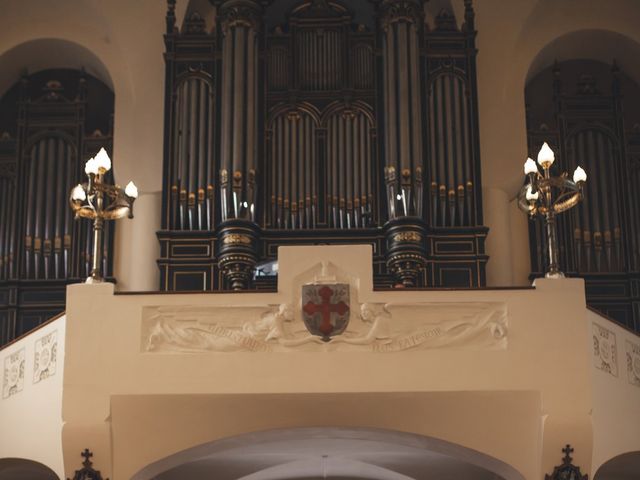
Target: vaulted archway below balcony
{"points": [[331, 453], [23, 469]]}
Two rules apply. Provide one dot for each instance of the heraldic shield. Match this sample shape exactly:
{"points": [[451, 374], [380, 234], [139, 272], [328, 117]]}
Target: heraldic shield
{"points": [[325, 309]]}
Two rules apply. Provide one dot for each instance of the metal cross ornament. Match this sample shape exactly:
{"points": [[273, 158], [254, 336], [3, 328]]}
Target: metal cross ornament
{"points": [[325, 309]]}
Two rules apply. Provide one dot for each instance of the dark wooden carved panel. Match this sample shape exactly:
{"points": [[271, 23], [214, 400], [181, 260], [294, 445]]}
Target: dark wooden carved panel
{"points": [[579, 108], [51, 122], [333, 79]]}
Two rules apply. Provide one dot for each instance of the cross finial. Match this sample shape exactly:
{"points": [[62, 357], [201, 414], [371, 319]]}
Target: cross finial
{"points": [[567, 454], [87, 455]]}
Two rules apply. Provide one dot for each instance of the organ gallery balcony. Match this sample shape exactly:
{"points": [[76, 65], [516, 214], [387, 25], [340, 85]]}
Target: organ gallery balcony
{"points": [[509, 376]]}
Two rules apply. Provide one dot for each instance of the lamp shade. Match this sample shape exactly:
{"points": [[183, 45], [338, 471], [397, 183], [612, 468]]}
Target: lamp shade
{"points": [[579, 175], [546, 156], [91, 167], [103, 162], [530, 166], [131, 190], [78, 194], [531, 196]]}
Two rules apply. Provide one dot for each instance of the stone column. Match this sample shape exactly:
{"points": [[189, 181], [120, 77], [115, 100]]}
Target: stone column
{"points": [[497, 218]]}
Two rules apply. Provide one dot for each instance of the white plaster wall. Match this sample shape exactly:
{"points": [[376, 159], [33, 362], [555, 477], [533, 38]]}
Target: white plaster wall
{"points": [[616, 400], [31, 419], [120, 398]]}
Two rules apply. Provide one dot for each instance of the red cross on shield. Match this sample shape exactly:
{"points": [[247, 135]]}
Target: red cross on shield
{"points": [[325, 309]]}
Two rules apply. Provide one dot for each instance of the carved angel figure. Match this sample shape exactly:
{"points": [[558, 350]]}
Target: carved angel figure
{"points": [[273, 327], [376, 320]]}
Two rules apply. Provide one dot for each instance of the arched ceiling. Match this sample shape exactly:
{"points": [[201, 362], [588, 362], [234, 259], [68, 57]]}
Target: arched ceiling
{"points": [[332, 453], [21, 469], [622, 467]]}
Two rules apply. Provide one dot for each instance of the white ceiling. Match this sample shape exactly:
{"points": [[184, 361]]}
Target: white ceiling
{"points": [[327, 456]]}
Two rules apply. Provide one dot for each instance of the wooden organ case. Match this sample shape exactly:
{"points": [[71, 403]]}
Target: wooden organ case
{"points": [[588, 112], [50, 123], [321, 122]]}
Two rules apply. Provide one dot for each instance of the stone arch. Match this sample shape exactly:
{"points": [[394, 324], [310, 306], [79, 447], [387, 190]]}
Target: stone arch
{"points": [[49, 53], [622, 467], [334, 452], [592, 44], [23, 469]]}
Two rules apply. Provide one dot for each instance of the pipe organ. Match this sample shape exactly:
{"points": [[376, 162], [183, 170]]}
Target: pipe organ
{"points": [[321, 121], [59, 117], [600, 239]]}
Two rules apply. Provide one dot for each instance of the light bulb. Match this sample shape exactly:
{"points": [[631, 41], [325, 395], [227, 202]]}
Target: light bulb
{"points": [[546, 156], [103, 162], [530, 166], [91, 167], [399, 197], [131, 190], [531, 197], [78, 194], [579, 175]]}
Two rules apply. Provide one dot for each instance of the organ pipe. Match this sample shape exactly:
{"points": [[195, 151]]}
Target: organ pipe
{"points": [[47, 226], [240, 20], [402, 26], [450, 151], [191, 197]]}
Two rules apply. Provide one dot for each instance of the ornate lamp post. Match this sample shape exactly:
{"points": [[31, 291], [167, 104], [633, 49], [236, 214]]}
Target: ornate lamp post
{"points": [[547, 196], [100, 201]]}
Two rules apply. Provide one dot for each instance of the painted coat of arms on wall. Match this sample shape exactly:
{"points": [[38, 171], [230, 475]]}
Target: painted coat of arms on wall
{"points": [[325, 309]]}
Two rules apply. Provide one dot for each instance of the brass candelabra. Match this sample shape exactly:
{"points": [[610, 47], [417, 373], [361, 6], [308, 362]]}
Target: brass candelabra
{"points": [[546, 196], [100, 202]]}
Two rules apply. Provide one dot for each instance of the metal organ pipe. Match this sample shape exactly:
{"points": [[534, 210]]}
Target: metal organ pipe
{"points": [[401, 27], [192, 173], [450, 152], [240, 23]]}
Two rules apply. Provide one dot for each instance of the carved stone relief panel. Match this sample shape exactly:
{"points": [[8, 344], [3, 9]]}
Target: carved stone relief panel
{"points": [[605, 351], [633, 363], [13, 377], [374, 327], [45, 357]]}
